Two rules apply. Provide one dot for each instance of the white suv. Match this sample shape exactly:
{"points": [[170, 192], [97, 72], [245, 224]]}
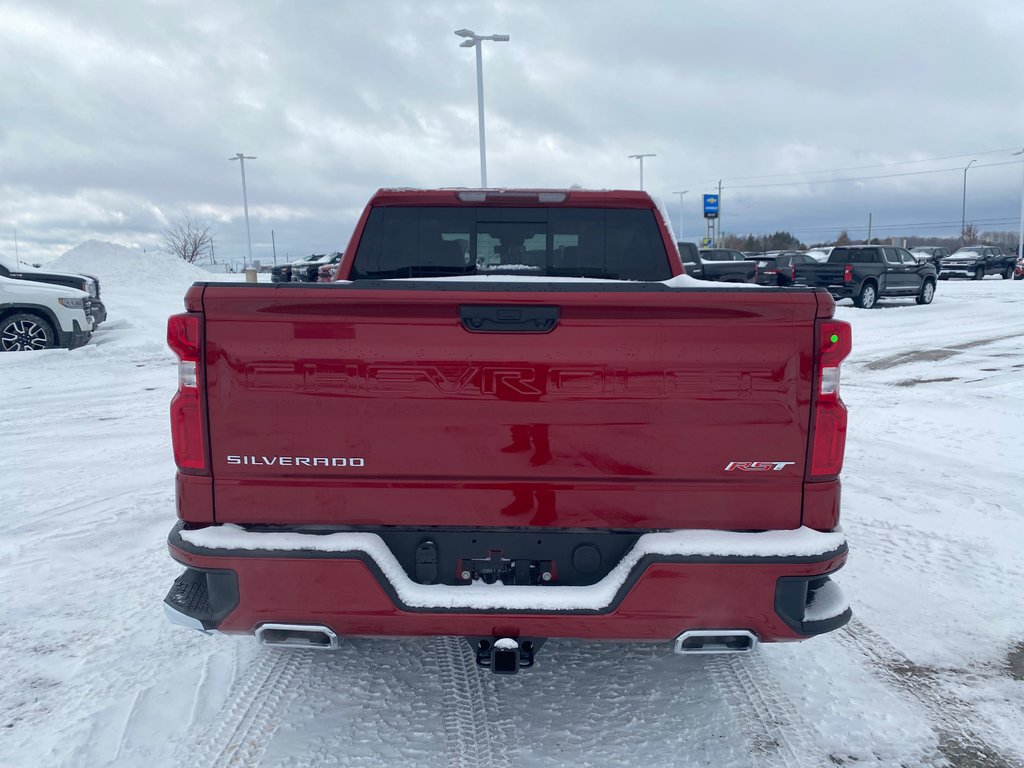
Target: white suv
{"points": [[40, 316]]}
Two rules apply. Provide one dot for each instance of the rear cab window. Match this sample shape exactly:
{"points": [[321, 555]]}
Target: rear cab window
{"points": [[841, 255], [451, 241]]}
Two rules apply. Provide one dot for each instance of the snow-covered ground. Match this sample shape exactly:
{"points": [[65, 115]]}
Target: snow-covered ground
{"points": [[930, 672]]}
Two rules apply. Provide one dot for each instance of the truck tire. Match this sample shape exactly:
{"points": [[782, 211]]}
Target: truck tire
{"points": [[867, 297], [1008, 273], [979, 273], [25, 331], [927, 293]]}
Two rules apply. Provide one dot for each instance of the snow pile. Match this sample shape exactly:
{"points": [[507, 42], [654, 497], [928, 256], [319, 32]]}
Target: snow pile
{"points": [[115, 264]]}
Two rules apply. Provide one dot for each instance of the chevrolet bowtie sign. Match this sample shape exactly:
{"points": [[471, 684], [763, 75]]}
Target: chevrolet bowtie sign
{"points": [[710, 206]]}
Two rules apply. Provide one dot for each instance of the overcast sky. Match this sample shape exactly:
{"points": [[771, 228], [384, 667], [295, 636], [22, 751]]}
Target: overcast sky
{"points": [[118, 115]]}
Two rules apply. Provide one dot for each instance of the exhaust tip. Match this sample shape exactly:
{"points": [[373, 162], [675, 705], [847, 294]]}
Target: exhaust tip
{"points": [[297, 636], [715, 641]]}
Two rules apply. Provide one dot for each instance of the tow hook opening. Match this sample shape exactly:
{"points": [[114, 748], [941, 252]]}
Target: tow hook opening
{"points": [[505, 655], [715, 641]]}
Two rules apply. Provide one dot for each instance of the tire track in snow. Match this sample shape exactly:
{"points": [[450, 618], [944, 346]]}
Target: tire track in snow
{"points": [[246, 723], [775, 731], [955, 722], [477, 731]]}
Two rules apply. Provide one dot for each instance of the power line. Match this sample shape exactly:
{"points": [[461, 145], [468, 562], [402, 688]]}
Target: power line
{"points": [[867, 167], [864, 178], [920, 225]]}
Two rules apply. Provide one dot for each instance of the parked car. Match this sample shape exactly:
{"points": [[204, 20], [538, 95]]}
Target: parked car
{"points": [[779, 267], [1018, 270], [976, 261], [866, 273], [87, 283], [282, 273], [933, 254], [41, 316], [307, 272]]}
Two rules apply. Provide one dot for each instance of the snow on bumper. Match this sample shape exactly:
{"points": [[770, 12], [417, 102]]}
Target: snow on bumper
{"points": [[773, 582]]}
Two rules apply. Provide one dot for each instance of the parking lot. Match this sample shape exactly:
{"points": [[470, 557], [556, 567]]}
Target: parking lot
{"points": [[930, 669]]}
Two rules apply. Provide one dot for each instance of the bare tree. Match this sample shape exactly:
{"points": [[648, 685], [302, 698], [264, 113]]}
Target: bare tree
{"points": [[187, 238], [969, 234]]}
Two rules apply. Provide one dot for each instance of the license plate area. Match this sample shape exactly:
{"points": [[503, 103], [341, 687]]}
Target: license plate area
{"points": [[512, 557]]}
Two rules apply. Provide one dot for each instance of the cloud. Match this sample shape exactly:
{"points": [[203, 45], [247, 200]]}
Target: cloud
{"points": [[116, 119]]}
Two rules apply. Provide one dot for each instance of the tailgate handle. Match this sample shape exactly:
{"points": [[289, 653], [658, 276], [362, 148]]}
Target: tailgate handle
{"points": [[497, 318]]}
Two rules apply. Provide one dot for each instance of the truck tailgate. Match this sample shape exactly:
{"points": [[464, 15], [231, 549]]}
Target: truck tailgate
{"points": [[820, 275], [374, 404]]}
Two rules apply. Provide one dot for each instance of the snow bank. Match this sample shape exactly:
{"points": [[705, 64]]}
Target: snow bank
{"points": [[115, 264]]}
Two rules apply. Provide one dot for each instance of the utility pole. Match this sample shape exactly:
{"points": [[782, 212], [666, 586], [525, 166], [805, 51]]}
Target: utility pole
{"points": [[869, 229], [1020, 232], [273, 244], [718, 218], [641, 159], [17, 258], [245, 201], [963, 207]]}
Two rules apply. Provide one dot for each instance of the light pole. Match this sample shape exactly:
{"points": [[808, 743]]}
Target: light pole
{"points": [[1020, 232], [245, 201], [963, 208], [680, 233], [474, 40], [641, 159]]}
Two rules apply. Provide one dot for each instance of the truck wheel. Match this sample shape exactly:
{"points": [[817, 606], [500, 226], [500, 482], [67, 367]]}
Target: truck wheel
{"points": [[24, 331], [867, 297], [979, 273], [1008, 273], [927, 293]]}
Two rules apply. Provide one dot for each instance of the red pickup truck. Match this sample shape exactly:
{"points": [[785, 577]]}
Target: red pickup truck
{"points": [[511, 417]]}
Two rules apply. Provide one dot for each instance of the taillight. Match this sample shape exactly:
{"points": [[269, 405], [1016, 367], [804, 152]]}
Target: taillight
{"points": [[829, 418], [184, 337], [792, 273], [848, 273]]}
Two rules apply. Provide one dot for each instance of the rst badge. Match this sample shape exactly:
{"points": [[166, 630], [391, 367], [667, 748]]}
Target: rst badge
{"points": [[757, 466]]}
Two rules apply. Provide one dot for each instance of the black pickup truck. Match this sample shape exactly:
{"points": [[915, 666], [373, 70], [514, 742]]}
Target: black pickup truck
{"points": [[866, 273], [976, 261], [718, 264]]}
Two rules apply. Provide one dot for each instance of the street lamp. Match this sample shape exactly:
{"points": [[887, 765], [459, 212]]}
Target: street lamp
{"points": [[1020, 232], [963, 208], [474, 40], [680, 233], [245, 201], [641, 159]]}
